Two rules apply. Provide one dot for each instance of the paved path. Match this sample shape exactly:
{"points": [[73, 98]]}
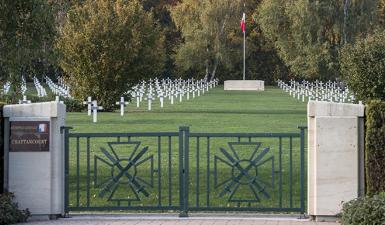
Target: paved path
{"points": [[121, 220]]}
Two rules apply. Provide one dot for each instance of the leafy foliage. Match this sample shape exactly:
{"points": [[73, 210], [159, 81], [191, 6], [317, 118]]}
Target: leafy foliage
{"points": [[363, 67], [106, 46], [9, 212], [309, 34], [73, 105], [364, 211], [27, 32], [375, 147], [212, 41]]}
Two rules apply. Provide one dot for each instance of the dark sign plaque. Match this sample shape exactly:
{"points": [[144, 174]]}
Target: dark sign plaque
{"points": [[29, 136]]}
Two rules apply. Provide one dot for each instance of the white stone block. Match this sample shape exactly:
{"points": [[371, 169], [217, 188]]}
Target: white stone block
{"points": [[333, 157], [37, 178], [320, 108], [244, 85], [30, 180]]}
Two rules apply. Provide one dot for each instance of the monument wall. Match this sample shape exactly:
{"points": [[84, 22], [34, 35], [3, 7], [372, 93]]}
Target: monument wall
{"points": [[1, 150]]}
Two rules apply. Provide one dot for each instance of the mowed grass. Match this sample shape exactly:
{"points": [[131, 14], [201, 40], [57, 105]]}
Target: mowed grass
{"points": [[215, 111], [93, 176]]}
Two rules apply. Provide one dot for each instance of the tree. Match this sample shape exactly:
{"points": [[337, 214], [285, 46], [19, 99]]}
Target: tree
{"points": [[205, 26], [212, 41], [27, 32], [309, 34], [107, 46], [363, 67]]}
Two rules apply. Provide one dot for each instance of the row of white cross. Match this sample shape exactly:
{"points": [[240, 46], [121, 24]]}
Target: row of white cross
{"points": [[165, 88], [59, 89], [171, 89], [23, 86], [6, 87], [39, 88], [318, 91]]}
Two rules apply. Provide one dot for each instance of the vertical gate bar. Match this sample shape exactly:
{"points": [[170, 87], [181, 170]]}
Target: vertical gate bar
{"points": [[66, 170], [77, 172], [302, 168], [208, 173], [186, 165], [159, 174], [181, 183], [118, 140], [169, 171], [197, 174], [280, 172], [88, 172], [291, 172]]}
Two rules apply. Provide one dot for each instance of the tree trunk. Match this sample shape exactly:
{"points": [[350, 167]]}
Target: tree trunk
{"points": [[216, 57]]}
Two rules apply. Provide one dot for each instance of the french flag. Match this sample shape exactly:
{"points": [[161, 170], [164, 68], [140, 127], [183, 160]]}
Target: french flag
{"points": [[42, 128], [243, 23]]}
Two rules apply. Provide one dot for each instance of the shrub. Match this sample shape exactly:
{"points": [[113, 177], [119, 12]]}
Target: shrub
{"points": [[9, 212], [375, 147], [73, 105], [363, 67], [364, 211]]}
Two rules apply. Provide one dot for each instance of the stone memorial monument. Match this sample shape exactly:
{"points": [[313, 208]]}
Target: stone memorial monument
{"points": [[244, 85]]}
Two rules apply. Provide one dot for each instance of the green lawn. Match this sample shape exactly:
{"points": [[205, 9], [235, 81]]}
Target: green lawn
{"points": [[216, 111], [271, 111]]}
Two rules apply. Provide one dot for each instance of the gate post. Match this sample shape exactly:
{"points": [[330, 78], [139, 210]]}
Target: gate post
{"points": [[66, 168], [333, 156], [184, 136], [302, 146], [35, 156]]}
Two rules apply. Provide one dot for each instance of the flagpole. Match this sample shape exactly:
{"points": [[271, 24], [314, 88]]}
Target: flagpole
{"points": [[244, 55]]}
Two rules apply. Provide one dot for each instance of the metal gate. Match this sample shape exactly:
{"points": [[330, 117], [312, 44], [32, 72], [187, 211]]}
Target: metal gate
{"points": [[184, 171]]}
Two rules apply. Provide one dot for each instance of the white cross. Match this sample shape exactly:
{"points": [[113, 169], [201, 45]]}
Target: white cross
{"points": [[172, 96], [122, 103], [57, 99], [180, 95], [24, 101], [188, 92], [149, 99], [160, 95], [95, 109], [89, 105]]}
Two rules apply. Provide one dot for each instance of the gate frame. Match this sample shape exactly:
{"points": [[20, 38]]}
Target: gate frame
{"points": [[184, 136]]}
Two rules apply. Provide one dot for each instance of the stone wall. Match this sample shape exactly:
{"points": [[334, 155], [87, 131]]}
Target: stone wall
{"points": [[1, 150]]}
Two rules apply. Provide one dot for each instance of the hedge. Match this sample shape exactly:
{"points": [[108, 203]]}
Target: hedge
{"points": [[375, 147], [363, 67]]}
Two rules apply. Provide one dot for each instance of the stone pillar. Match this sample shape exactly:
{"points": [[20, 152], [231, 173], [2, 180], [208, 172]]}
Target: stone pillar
{"points": [[335, 156], [1, 150], [35, 156]]}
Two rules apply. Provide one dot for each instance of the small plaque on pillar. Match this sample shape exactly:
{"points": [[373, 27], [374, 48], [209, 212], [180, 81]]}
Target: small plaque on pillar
{"points": [[29, 136]]}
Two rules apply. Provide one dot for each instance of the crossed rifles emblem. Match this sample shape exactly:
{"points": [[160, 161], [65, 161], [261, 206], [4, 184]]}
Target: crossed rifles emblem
{"points": [[123, 171], [244, 172]]}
